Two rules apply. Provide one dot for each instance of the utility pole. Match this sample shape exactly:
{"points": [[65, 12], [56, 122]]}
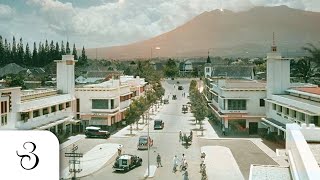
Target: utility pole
{"points": [[74, 161]]}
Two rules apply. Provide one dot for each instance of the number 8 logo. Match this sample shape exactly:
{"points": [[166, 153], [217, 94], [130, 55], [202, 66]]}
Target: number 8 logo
{"points": [[28, 156]]}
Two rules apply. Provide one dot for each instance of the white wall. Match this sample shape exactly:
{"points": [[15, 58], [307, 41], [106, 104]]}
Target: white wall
{"points": [[302, 161]]}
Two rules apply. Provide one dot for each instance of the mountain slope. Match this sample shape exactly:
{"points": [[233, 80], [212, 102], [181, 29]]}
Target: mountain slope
{"points": [[247, 33]]}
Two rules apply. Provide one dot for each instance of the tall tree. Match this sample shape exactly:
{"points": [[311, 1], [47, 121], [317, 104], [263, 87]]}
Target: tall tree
{"points": [[57, 52], [314, 54], [171, 69], [35, 57], [67, 48], [10, 57], [52, 51], [83, 59], [46, 58], [6, 51], [63, 51], [74, 51], [20, 53], [14, 50], [1, 52], [27, 56]]}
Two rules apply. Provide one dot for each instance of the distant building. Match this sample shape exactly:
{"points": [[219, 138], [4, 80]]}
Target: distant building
{"points": [[97, 76], [229, 71]]}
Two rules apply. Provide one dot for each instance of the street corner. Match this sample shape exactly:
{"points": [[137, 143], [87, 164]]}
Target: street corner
{"points": [[152, 171]]}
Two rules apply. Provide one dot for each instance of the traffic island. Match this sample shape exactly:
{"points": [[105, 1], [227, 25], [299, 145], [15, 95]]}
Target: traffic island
{"points": [[93, 160]]}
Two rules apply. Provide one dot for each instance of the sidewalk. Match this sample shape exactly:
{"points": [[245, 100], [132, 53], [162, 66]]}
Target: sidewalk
{"points": [[209, 132], [222, 161], [93, 160]]}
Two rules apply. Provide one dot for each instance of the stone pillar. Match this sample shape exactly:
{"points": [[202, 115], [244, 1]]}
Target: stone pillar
{"points": [[41, 112], [31, 115], [278, 132], [49, 109]]}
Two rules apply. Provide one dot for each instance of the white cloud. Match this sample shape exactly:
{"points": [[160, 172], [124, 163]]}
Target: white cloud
{"points": [[115, 22], [6, 11]]}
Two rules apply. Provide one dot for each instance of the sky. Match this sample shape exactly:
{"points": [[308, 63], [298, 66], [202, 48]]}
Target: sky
{"points": [[102, 23]]}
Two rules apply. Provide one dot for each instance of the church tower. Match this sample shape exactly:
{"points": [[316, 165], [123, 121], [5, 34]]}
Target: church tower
{"points": [[278, 72]]}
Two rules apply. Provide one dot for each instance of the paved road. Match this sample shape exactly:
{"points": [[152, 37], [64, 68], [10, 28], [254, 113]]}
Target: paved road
{"points": [[166, 142]]}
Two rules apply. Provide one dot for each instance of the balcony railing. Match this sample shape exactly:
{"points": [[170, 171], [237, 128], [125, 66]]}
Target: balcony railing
{"points": [[43, 120], [115, 109]]}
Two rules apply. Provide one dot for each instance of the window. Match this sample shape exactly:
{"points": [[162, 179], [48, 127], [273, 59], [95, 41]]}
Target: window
{"points": [[237, 104], [287, 111], [262, 102], [294, 114], [112, 103], [67, 104], [207, 70], [100, 104], [45, 111], [36, 113], [274, 106], [60, 106], [53, 108]]}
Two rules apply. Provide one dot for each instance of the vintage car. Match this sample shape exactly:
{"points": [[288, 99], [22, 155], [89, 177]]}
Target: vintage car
{"points": [[166, 101], [92, 131], [126, 162], [174, 97], [144, 141], [158, 124], [184, 108], [180, 87]]}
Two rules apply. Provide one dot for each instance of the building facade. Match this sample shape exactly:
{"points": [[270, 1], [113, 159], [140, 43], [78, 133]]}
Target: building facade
{"points": [[237, 104]]}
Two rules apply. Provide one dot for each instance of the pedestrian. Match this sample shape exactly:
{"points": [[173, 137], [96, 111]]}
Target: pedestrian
{"points": [[183, 160], [180, 136], [185, 175], [119, 150], [223, 130], [159, 160], [175, 163]]}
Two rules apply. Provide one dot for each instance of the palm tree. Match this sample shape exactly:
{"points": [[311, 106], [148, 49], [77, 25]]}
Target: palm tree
{"points": [[303, 69], [314, 54]]}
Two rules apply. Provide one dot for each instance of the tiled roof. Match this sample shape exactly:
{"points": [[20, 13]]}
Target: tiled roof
{"points": [[232, 71], [312, 90]]}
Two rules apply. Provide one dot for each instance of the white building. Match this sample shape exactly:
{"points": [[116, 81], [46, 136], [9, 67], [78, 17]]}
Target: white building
{"points": [[287, 102], [104, 104], [51, 109], [237, 104]]}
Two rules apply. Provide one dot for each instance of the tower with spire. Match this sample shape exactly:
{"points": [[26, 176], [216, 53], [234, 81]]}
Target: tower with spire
{"points": [[278, 72]]}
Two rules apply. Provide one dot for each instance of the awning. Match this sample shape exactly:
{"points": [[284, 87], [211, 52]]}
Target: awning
{"points": [[275, 123], [47, 126], [292, 107]]}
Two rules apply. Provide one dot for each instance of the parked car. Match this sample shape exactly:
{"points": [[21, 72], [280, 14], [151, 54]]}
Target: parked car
{"points": [[92, 131], [158, 124], [166, 101], [126, 162], [144, 141], [180, 87], [184, 108]]}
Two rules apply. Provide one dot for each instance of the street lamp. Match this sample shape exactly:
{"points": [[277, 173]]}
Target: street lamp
{"points": [[156, 48]]}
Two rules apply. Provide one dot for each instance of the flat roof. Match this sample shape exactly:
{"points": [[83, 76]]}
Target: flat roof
{"points": [[314, 147], [312, 90], [267, 172], [314, 103]]}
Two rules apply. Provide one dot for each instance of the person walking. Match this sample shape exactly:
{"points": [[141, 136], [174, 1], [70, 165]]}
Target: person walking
{"points": [[183, 160], [223, 130], [185, 175], [159, 160], [119, 150], [175, 163]]}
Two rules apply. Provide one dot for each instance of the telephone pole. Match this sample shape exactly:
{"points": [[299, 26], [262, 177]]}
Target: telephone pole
{"points": [[75, 160]]}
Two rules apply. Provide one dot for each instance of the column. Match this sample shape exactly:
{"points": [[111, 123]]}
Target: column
{"points": [[49, 109], [31, 115], [278, 132]]}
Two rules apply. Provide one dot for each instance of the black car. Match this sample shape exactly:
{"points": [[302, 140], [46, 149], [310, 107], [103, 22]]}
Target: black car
{"points": [[180, 87], [92, 131], [126, 162], [158, 124]]}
